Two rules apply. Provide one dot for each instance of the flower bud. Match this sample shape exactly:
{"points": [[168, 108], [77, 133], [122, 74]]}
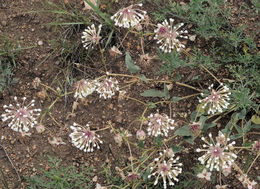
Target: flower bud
{"points": [[40, 128], [140, 135], [169, 153]]}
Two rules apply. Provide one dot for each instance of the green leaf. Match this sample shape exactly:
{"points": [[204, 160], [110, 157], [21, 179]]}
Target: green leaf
{"points": [[193, 116], [145, 175], [140, 143], [206, 126], [109, 38], [158, 141], [202, 118], [200, 109], [256, 119], [130, 64], [184, 131], [255, 126], [151, 105], [166, 92], [177, 149], [247, 144], [143, 78], [227, 130], [153, 93], [239, 129], [241, 114], [236, 136], [176, 99], [247, 127]]}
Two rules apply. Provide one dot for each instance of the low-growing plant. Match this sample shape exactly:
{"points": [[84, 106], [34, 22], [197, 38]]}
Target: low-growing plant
{"points": [[60, 177], [8, 55]]}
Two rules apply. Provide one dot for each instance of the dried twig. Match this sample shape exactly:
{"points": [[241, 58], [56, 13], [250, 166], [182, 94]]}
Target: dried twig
{"points": [[4, 179], [9, 159]]}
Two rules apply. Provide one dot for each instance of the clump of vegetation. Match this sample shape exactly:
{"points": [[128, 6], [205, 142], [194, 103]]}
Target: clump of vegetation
{"points": [[60, 177], [8, 56]]}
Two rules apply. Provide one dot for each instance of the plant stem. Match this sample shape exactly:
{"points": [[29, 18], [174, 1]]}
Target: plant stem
{"points": [[210, 73], [134, 99], [188, 86]]}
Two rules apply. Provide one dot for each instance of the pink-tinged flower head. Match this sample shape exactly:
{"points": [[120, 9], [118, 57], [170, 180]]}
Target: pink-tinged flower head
{"points": [[167, 168], [20, 116], [129, 16], [159, 124], [217, 156], [107, 87], [167, 35], [217, 101], [84, 88], [133, 177], [195, 128], [84, 139], [91, 36]]}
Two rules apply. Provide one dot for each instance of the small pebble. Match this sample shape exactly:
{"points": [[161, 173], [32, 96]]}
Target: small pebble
{"points": [[40, 43], [4, 23]]}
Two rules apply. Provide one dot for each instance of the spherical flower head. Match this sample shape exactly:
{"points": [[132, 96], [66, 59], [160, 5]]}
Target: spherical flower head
{"points": [[21, 117], [204, 175], [40, 128], [84, 139], [167, 35], [195, 128], [133, 177], [140, 135], [107, 88], [91, 36], [84, 88], [159, 124], [217, 156], [129, 16], [167, 168], [217, 101]]}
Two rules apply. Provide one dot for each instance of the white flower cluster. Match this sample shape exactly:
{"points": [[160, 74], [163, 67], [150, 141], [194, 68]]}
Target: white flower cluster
{"points": [[218, 99], [84, 139], [167, 35], [166, 167], [107, 87], [159, 124], [21, 116], [91, 36], [129, 16], [217, 156], [84, 87]]}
